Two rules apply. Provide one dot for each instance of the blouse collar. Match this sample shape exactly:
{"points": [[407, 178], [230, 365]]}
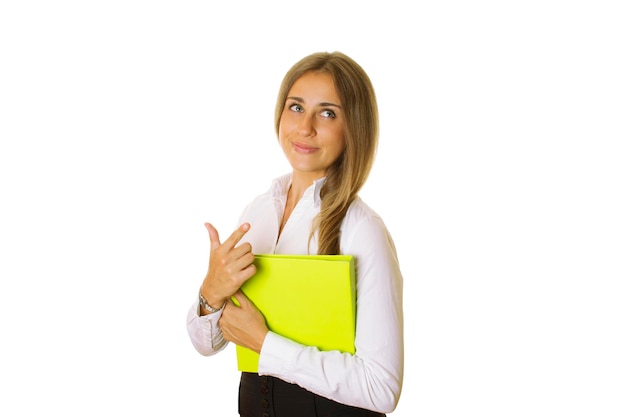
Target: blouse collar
{"points": [[280, 187]]}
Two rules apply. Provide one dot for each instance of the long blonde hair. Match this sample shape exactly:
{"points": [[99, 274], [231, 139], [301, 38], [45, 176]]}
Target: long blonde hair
{"points": [[347, 175]]}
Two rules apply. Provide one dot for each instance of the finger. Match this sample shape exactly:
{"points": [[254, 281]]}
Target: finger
{"points": [[246, 272], [239, 299], [236, 236], [213, 236], [243, 251]]}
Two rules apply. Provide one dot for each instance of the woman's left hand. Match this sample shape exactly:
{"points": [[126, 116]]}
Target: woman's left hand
{"points": [[243, 325]]}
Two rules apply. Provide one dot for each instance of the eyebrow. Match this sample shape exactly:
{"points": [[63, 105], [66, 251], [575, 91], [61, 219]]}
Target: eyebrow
{"points": [[323, 103]]}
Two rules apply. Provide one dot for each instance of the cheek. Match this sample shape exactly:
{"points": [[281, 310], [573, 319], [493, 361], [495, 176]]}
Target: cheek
{"points": [[339, 138], [282, 138], [283, 126], [283, 132], [337, 147]]}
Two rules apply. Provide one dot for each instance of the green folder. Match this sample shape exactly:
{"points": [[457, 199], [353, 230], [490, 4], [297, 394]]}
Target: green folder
{"points": [[310, 299]]}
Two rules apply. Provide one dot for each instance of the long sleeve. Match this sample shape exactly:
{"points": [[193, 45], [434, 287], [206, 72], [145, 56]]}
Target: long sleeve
{"points": [[372, 377], [204, 331]]}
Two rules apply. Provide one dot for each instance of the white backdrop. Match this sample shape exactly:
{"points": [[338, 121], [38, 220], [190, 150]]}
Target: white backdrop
{"points": [[127, 124]]}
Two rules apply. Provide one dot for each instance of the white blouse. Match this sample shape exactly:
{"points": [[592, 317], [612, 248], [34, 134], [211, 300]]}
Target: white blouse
{"points": [[371, 378]]}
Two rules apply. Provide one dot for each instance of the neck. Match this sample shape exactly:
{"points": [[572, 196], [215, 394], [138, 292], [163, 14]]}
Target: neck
{"points": [[299, 183]]}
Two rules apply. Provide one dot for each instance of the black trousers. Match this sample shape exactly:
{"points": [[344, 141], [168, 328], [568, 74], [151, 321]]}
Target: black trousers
{"points": [[266, 396]]}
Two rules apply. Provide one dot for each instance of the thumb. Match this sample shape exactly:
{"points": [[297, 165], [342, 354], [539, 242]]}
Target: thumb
{"points": [[213, 236]]}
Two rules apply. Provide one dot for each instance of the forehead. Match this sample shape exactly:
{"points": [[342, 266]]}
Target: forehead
{"points": [[315, 87]]}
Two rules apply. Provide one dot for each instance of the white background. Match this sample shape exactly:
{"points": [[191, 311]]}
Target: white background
{"points": [[501, 175]]}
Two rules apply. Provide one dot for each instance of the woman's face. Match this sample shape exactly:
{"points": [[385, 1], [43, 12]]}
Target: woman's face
{"points": [[311, 125]]}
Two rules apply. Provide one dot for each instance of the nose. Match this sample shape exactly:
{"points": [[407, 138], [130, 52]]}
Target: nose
{"points": [[306, 126]]}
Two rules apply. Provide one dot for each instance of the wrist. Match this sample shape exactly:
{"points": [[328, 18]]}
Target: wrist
{"points": [[209, 308]]}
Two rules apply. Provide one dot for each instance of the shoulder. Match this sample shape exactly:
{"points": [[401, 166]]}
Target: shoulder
{"points": [[259, 200], [362, 223], [276, 191], [365, 235], [359, 212]]}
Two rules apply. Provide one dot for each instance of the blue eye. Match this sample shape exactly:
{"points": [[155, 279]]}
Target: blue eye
{"points": [[296, 108], [328, 113]]}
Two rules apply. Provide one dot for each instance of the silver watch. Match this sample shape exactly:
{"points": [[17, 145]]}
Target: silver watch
{"points": [[206, 305]]}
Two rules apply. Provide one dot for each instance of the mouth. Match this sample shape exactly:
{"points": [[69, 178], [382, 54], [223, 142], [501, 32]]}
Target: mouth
{"points": [[303, 148]]}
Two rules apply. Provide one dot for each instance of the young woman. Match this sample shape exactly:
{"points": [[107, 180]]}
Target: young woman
{"points": [[327, 124]]}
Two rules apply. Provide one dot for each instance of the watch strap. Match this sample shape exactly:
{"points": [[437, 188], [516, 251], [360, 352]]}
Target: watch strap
{"points": [[203, 302]]}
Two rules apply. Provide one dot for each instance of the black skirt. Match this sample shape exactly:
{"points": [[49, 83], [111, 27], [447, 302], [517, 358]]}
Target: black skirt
{"points": [[266, 396]]}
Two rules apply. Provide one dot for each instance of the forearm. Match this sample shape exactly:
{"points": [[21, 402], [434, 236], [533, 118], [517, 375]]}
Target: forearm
{"points": [[365, 382], [372, 377]]}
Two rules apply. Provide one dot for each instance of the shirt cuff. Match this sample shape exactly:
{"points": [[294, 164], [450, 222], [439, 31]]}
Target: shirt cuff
{"points": [[278, 355]]}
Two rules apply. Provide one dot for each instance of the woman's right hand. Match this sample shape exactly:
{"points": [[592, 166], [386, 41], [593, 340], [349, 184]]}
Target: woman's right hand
{"points": [[229, 266]]}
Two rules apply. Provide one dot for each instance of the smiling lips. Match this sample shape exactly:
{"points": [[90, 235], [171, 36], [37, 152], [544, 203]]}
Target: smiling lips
{"points": [[302, 148]]}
